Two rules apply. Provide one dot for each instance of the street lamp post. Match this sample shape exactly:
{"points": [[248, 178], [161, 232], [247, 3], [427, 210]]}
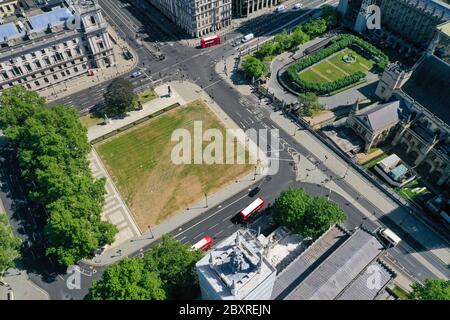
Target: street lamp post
{"points": [[150, 229]]}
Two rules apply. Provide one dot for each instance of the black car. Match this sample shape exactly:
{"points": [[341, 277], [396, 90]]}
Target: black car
{"points": [[254, 192]]}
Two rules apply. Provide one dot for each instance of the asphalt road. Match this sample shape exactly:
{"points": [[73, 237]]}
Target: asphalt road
{"points": [[197, 65]]}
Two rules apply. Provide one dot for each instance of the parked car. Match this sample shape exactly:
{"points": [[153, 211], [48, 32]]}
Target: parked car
{"points": [[136, 74], [254, 192], [297, 6]]}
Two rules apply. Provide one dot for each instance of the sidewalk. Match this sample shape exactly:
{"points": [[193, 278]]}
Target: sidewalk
{"points": [[71, 86], [434, 243], [182, 92], [21, 287]]}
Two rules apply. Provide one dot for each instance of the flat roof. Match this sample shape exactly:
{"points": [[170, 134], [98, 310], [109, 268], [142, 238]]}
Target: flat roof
{"points": [[54, 17]]}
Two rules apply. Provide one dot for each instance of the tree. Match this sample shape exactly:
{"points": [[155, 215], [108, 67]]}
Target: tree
{"points": [[120, 98], [284, 41], [128, 279], [51, 147], [432, 289], [310, 103], [175, 263], [166, 271], [299, 37], [306, 215], [9, 245], [290, 205], [253, 67], [320, 215]]}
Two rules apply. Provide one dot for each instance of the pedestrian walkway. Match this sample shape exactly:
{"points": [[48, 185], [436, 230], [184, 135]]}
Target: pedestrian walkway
{"points": [[71, 86], [183, 92], [20, 287], [115, 210]]}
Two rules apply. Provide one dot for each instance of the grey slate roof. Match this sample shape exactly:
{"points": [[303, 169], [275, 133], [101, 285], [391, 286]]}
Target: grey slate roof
{"points": [[380, 115], [359, 290], [339, 269], [430, 86]]}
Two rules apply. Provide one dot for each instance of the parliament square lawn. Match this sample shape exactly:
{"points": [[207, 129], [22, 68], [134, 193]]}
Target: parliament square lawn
{"points": [[153, 187], [334, 67]]}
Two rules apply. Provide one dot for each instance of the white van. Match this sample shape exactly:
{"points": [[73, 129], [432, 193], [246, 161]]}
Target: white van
{"points": [[390, 236], [281, 8], [248, 37]]}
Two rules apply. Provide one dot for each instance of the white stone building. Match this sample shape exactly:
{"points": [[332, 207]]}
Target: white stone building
{"points": [[46, 45], [197, 17]]}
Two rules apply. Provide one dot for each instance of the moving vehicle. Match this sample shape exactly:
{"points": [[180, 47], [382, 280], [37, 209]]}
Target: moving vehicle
{"points": [[297, 6], [248, 37], [253, 209], [254, 192], [204, 244], [210, 41], [281, 8], [136, 74], [389, 236]]}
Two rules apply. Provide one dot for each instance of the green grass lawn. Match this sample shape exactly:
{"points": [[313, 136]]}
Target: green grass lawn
{"points": [[373, 162], [334, 68], [89, 120], [154, 188], [402, 294], [411, 190], [147, 95]]}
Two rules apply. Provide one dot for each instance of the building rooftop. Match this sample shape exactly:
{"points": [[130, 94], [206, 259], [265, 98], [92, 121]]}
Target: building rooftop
{"points": [[339, 269], [378, 116], [236, 266], [57, 16], [429, 85]]}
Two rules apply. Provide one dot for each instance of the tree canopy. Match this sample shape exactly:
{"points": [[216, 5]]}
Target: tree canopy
{"points": [[166, 271], [51, 147], [119, 98], [9, 245], [310, 104], [432, 289], [254, 67], [306, 215], [128, 279]]}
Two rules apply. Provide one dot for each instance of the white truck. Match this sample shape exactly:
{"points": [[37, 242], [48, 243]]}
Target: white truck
{"points": [[248, 37], [281, 8], [389, 236]]}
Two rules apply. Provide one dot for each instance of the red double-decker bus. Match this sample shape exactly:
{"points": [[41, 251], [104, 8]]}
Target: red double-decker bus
{"points": [[254, 208], [204, 244], [210, 41]]}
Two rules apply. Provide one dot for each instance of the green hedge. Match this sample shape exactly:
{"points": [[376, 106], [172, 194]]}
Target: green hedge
{"points": [[337, 44]]}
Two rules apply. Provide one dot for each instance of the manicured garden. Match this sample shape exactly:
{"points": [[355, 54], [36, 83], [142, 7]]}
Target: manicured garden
{"points": [[343, 62], [256, 65]]}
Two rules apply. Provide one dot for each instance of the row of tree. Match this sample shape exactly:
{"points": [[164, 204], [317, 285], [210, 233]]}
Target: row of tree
{"points": [[51, 147], [306, 215], [167, 271], [255, 67], [9, 245]]}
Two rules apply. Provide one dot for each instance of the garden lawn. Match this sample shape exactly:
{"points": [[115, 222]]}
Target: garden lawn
{"points": [[334, 68], [139, 161]]}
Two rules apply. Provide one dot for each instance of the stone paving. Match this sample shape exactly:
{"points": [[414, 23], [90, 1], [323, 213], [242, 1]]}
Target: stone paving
{"points": [[22, 288], [115, 210]]}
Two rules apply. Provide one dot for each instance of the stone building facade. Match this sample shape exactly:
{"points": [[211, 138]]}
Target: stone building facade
{"points": [[406, 25], [245, 8], [7, 8], [53, 44], [197, 17]]}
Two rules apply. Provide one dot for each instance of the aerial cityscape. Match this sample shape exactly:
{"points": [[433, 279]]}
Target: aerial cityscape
{"points": [[225, 150]]}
